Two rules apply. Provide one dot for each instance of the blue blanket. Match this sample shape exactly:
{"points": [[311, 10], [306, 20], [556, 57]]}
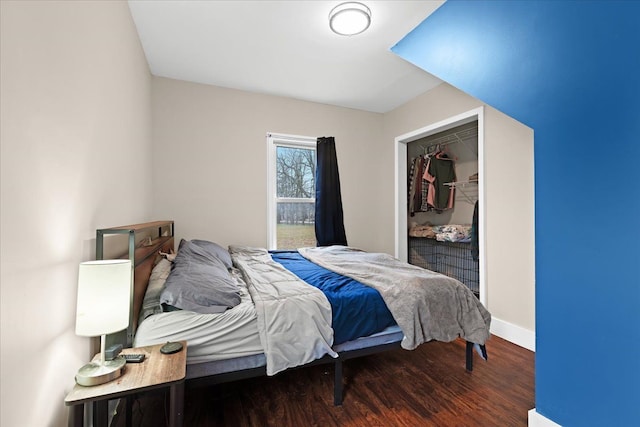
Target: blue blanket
{"points": [[357, 310]]}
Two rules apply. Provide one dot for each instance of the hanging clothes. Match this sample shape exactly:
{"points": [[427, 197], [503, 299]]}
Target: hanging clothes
{"points": [[413, 184], [424, 200], [428, 175], [416, 185], [441, 171], [475, 245]]}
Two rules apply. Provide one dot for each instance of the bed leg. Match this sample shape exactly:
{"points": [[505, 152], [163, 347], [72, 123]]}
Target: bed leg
{"points": [[469, 356], [337, 384]]}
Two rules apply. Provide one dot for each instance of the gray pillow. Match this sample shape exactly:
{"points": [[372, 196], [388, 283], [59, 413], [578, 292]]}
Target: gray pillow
{"points": [[216, 250], [200, 282], [151, 302]]}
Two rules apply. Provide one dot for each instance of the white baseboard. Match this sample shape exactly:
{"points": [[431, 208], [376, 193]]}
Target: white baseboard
{"points": [[537, 420], [514, 333]]}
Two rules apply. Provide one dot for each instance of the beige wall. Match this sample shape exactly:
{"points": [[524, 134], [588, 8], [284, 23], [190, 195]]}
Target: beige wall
{"points": [[210, 162], [509, 198], [76, 156], [510, 240]]}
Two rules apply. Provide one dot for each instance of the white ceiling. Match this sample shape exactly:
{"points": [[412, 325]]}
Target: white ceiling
{"points": [[285, 48]]}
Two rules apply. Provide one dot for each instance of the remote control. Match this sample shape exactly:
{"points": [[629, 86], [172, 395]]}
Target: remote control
{"points": [[133, 358]]}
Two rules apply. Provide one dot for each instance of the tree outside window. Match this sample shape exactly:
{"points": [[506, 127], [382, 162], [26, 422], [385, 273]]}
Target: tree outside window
{"points": [[295, 171]]}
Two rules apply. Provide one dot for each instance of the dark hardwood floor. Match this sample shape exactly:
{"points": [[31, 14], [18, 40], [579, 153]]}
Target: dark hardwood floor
{"points": [[425, 387]]}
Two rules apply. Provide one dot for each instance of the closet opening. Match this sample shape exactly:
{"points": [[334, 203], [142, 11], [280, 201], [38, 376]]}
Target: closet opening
{"points": [[443, 200], [439, 189]]}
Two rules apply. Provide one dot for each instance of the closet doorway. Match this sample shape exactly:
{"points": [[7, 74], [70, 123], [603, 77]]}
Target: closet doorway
{"points": [[460, 138]]}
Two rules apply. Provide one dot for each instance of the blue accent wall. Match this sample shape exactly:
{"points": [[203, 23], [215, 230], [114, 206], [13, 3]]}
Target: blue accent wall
{"points": [[571, 71]]}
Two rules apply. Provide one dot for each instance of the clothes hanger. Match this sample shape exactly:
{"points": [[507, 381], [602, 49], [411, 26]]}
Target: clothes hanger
{"points": [[445, 155], [430, 153]]}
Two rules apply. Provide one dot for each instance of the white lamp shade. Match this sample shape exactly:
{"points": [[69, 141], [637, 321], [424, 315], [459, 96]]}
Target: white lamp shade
{"points": [[349, 19], [104, 294]]}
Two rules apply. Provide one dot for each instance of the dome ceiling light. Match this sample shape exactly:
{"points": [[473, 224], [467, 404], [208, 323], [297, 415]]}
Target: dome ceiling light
{"points": [[349, 19]]}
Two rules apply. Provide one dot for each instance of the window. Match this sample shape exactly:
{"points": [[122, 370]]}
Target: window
{"points": [[291, 192]]}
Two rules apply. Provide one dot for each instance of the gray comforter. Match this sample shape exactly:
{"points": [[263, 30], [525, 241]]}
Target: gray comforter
{"points": [[426, 305], [294, 318]]}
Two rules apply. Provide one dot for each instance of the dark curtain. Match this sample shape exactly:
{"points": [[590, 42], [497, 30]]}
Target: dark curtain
{"points": [[329, 219]]}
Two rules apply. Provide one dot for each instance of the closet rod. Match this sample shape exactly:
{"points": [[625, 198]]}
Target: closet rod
{"points": [[461, 185], [427, 149]]}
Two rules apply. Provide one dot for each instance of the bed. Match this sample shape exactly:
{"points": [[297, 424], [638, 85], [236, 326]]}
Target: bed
{"points": [[277, 321]]}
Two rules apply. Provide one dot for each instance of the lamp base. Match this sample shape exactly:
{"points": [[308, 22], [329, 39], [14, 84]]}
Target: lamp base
{"points": [[96, 373]]}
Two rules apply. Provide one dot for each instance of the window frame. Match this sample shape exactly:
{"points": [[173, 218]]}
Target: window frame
{"points": [[275, 140]]}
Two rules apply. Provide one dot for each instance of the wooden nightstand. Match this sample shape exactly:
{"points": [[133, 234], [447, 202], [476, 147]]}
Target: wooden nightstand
{"points": [[158, 370]]}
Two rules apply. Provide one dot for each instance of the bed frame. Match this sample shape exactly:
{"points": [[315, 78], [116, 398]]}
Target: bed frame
{"points": [[222, 371]]}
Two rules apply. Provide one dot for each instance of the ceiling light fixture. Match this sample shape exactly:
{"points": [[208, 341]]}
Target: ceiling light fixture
{"points": [[349, 19]]}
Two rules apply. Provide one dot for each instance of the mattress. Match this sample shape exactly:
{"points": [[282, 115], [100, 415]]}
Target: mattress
{"points": [[215, 336]]}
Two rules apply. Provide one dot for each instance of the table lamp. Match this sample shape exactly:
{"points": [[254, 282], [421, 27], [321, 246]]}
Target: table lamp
{"points": [[104, 295]]}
